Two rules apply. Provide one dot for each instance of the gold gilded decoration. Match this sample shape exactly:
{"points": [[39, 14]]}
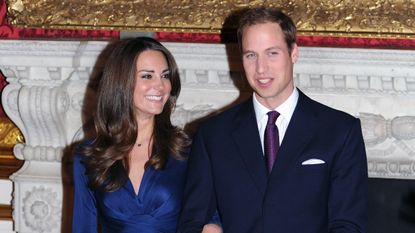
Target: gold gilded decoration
{"points": [[369, 18], [9, 134]]}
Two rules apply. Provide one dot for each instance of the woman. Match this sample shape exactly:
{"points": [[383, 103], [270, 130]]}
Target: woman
{"points": [[130, 177]]}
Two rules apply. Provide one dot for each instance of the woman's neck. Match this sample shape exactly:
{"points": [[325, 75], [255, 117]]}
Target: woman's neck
{"points": [[144, 131]]}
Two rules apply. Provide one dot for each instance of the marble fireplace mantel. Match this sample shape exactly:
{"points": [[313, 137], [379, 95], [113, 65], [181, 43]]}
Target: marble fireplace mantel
{"points": [[48, 81]]}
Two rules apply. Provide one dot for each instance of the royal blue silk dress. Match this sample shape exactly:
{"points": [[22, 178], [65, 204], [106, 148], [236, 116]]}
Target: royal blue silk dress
{"points": [[154, 209]]}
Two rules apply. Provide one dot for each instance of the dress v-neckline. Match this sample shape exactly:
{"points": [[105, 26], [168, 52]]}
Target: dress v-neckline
{"points": [[143, 183]]}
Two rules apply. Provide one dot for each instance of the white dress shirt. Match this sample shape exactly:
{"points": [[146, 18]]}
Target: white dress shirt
{"points": [[286, 110]]}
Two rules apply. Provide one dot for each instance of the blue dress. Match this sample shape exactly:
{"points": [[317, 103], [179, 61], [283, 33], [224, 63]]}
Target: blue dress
{"points": [[154, 209]]}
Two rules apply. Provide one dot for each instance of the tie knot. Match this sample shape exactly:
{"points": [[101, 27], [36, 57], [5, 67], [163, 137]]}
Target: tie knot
{"points": [[272, 117]]}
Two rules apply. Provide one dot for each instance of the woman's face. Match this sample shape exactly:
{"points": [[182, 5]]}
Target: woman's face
{"points": [[152, 83]]}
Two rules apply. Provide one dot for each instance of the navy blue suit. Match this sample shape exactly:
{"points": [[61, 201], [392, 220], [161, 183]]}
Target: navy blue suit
{"points": [[227, 172]]}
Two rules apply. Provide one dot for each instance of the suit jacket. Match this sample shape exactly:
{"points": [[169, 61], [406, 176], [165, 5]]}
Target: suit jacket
{"points": [[227, 172]]}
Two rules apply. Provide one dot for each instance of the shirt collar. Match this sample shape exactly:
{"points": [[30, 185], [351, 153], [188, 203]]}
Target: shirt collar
{"points": [[286, 109]]}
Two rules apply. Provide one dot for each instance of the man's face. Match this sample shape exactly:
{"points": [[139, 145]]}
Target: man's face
{"points": [[268, 64]]}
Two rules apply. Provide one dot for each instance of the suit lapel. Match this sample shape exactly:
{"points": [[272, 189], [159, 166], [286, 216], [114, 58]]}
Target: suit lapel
{"points": [[299, 133], [247, 139]]}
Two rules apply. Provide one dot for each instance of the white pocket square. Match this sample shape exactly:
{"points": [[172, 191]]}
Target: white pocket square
{"points": [[312, 162]]}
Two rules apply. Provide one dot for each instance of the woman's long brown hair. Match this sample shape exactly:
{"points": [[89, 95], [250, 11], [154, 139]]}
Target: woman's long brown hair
{"points": [[106, 156]]}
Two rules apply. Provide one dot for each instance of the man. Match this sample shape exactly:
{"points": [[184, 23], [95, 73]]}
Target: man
{"points": [[318, 182]]}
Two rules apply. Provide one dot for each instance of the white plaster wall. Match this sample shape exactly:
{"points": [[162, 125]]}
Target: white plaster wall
{"points": [[6, 187], [6, 226]]}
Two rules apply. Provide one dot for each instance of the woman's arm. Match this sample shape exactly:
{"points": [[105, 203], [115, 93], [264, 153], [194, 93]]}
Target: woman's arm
{"points": [[84, 211]]}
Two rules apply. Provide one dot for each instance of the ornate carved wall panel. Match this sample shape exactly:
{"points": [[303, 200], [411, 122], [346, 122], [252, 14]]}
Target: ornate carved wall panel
{"points": [[49, 90]]}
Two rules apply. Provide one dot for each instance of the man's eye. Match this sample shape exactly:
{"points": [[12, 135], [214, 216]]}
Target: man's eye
{"points": [[250, 56], [273, 53]]}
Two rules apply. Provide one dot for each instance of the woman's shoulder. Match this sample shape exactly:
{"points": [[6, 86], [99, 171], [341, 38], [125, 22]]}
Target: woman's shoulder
{"points": [[78, 156]]}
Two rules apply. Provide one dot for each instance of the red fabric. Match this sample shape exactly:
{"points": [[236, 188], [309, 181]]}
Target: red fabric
{"points": [[310, 41], [5, 29], [3, 83], [355, 42], [188, 37]]}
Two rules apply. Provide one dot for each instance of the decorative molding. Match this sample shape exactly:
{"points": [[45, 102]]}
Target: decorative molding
{"points": [[38, 153], [341, 18], [371, 71]]}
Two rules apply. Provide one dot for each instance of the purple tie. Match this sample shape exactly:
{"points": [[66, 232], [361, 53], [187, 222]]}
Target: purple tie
{"points": [[271, 140]]}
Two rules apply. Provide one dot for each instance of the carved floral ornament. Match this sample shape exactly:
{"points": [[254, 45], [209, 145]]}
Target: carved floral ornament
{"points": [[42, 209], [369, 18]]}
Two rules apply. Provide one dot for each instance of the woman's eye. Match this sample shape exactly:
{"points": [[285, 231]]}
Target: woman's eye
{"points": [[146, 76], [166, 76]]}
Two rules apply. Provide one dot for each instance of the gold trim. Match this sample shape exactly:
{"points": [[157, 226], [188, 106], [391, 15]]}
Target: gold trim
{"points": [[368, 18]]}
